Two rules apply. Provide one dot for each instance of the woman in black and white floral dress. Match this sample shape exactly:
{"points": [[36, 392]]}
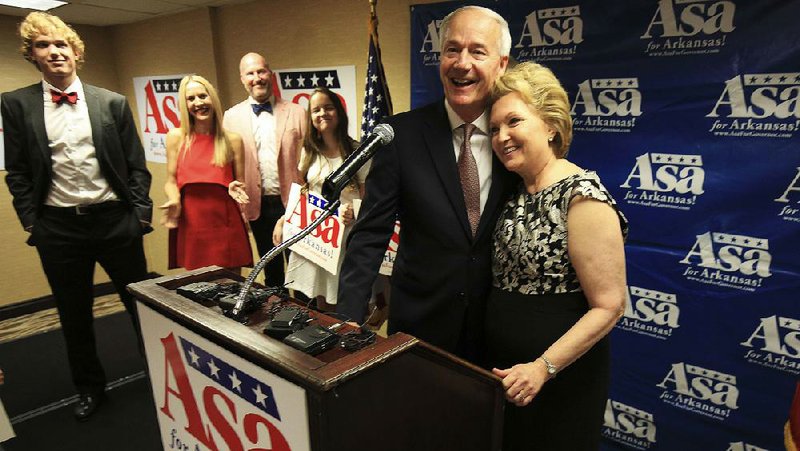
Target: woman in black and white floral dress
{"points": [[559, 272]]}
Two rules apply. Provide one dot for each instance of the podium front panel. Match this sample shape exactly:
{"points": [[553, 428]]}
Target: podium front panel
{"points": [[209, 398]]}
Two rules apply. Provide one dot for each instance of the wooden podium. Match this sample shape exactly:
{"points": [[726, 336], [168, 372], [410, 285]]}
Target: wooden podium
{"points": [[219, 384]]}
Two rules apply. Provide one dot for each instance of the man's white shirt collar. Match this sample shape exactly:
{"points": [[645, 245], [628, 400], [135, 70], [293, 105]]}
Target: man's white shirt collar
{"points": [[482, 122]]}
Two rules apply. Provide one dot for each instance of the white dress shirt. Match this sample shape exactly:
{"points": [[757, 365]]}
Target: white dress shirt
{"points": [[266, 145], [77, 179], [480, 144]]}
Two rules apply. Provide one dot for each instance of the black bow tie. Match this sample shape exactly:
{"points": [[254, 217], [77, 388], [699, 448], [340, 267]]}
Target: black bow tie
{"points": [[259, 107]]}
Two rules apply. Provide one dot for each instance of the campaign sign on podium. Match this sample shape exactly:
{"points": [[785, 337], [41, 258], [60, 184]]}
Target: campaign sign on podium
{"points": [[208, 398]]}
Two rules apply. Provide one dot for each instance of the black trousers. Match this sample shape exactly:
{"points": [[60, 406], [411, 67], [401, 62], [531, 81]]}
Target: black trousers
{"points": [[271, 210], [69, 246]]}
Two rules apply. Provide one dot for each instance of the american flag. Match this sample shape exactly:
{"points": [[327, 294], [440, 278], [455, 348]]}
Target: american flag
{"points": [[377, 102]]}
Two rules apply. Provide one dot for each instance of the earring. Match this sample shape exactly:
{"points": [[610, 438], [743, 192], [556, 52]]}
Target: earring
{"points": [[550, 139]]}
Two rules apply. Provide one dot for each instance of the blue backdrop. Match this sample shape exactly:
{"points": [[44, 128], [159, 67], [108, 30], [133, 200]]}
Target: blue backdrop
{"points": [[689, 110]]}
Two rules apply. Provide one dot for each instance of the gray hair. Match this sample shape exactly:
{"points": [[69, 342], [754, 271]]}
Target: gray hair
{"points": [[503, 46]]}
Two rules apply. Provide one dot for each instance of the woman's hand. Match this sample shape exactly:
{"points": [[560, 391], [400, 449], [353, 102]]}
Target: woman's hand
{"points": [[172, 212], [523, 381], [237, 192], [348, 216], [277, 232]]}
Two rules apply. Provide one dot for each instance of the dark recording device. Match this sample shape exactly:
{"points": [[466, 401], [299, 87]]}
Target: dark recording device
{"points": [[312, 340], [200, 291], [226, 294], [286, 321]]}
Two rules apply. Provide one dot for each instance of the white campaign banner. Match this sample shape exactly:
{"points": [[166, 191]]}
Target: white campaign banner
{"points": [[157, 107], [206, 396], [324, 244], [296, 85]]}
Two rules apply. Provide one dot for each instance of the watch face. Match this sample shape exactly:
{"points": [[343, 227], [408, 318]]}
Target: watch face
{"points": [[551, 370]]}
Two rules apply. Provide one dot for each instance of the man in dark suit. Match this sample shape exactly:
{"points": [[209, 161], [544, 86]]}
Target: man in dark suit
{"points": [[77, 173], [447, 205]]}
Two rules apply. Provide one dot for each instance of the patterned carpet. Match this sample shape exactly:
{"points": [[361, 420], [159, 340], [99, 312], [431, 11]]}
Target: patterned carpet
{"points": [[47, 320]]}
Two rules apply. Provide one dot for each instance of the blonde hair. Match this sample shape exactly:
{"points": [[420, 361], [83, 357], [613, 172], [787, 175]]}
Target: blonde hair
{"points": [[223, 153], [541, 90], [39, 23]]}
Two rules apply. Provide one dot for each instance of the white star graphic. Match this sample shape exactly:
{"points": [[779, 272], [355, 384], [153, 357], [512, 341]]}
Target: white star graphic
{"points": [[329, 79], [158, 86], [379, 97], [194, 357], [260, 396], [236, 384], [374, 110], [371, 91], [371, 122], [314, 80], [287, 81], [214, 368], [174, 86], [301, 81], [374, 78]]}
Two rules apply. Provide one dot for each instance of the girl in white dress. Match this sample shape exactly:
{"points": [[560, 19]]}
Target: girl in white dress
{"points": [[325, 147]]}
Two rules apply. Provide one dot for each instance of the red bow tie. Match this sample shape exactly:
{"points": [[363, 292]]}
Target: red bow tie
{"points": [[61, 97]]}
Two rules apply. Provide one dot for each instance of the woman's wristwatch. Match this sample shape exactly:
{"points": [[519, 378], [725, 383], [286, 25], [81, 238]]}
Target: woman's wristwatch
{"points": [[551, 369]]}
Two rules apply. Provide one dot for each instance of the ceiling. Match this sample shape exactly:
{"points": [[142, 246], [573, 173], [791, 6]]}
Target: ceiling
{"points": [[115, 12]]}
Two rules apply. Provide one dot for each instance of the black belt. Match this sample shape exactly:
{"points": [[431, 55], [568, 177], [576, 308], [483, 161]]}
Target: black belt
{"points": [[82, 210]]}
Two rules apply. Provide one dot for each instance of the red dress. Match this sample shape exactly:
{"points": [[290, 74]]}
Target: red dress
{"points": [[210, 230]]}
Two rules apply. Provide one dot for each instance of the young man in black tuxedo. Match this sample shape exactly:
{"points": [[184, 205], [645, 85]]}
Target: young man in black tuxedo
{"points": [[80, 187]]}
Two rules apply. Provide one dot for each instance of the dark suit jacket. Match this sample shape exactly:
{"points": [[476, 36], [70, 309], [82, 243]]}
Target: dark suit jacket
{"points": [[117, 145], [439, 267]]}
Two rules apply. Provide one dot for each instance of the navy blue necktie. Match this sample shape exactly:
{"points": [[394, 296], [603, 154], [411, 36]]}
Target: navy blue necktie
{"points": [[259, 107]]}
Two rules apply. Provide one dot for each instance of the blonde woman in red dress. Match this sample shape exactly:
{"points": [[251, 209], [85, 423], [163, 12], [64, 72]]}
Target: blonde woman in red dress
{"points": [[205, 173]]}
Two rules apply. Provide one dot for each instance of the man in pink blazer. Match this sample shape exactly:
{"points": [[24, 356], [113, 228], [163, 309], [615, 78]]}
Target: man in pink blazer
{"points": [[272, 130]]}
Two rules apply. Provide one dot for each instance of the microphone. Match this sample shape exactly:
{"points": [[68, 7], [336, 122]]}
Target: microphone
{"points": [[333, 185]]}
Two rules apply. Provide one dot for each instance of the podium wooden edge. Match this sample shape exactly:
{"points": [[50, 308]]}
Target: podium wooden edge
{"points": [[160, 295]]}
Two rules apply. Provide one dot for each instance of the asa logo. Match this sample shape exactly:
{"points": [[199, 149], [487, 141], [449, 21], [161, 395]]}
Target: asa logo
{"points": [[700, 390], [157, 107], [727, 260], [431, 45], [758, 105], [792, 191], [775, 343], [550, 34], [742, 446], [665, 180], [607, 105], [685, 27], [650, 312], [628, 425]]}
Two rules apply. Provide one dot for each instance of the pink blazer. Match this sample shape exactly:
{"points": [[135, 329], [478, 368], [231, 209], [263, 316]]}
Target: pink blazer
{"points": [[290, 128]]}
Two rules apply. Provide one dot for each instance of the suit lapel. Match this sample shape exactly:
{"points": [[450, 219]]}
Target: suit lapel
{"points": [[281, 114], [439, 140], [95, 118], [244, 120], [495, 195], [37, 121]]}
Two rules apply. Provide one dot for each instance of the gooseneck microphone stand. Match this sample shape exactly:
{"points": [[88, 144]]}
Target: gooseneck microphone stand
{"points": [[236, 311]]}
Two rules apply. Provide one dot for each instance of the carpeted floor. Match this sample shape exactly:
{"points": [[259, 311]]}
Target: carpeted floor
{"points": [[38, 392]]}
